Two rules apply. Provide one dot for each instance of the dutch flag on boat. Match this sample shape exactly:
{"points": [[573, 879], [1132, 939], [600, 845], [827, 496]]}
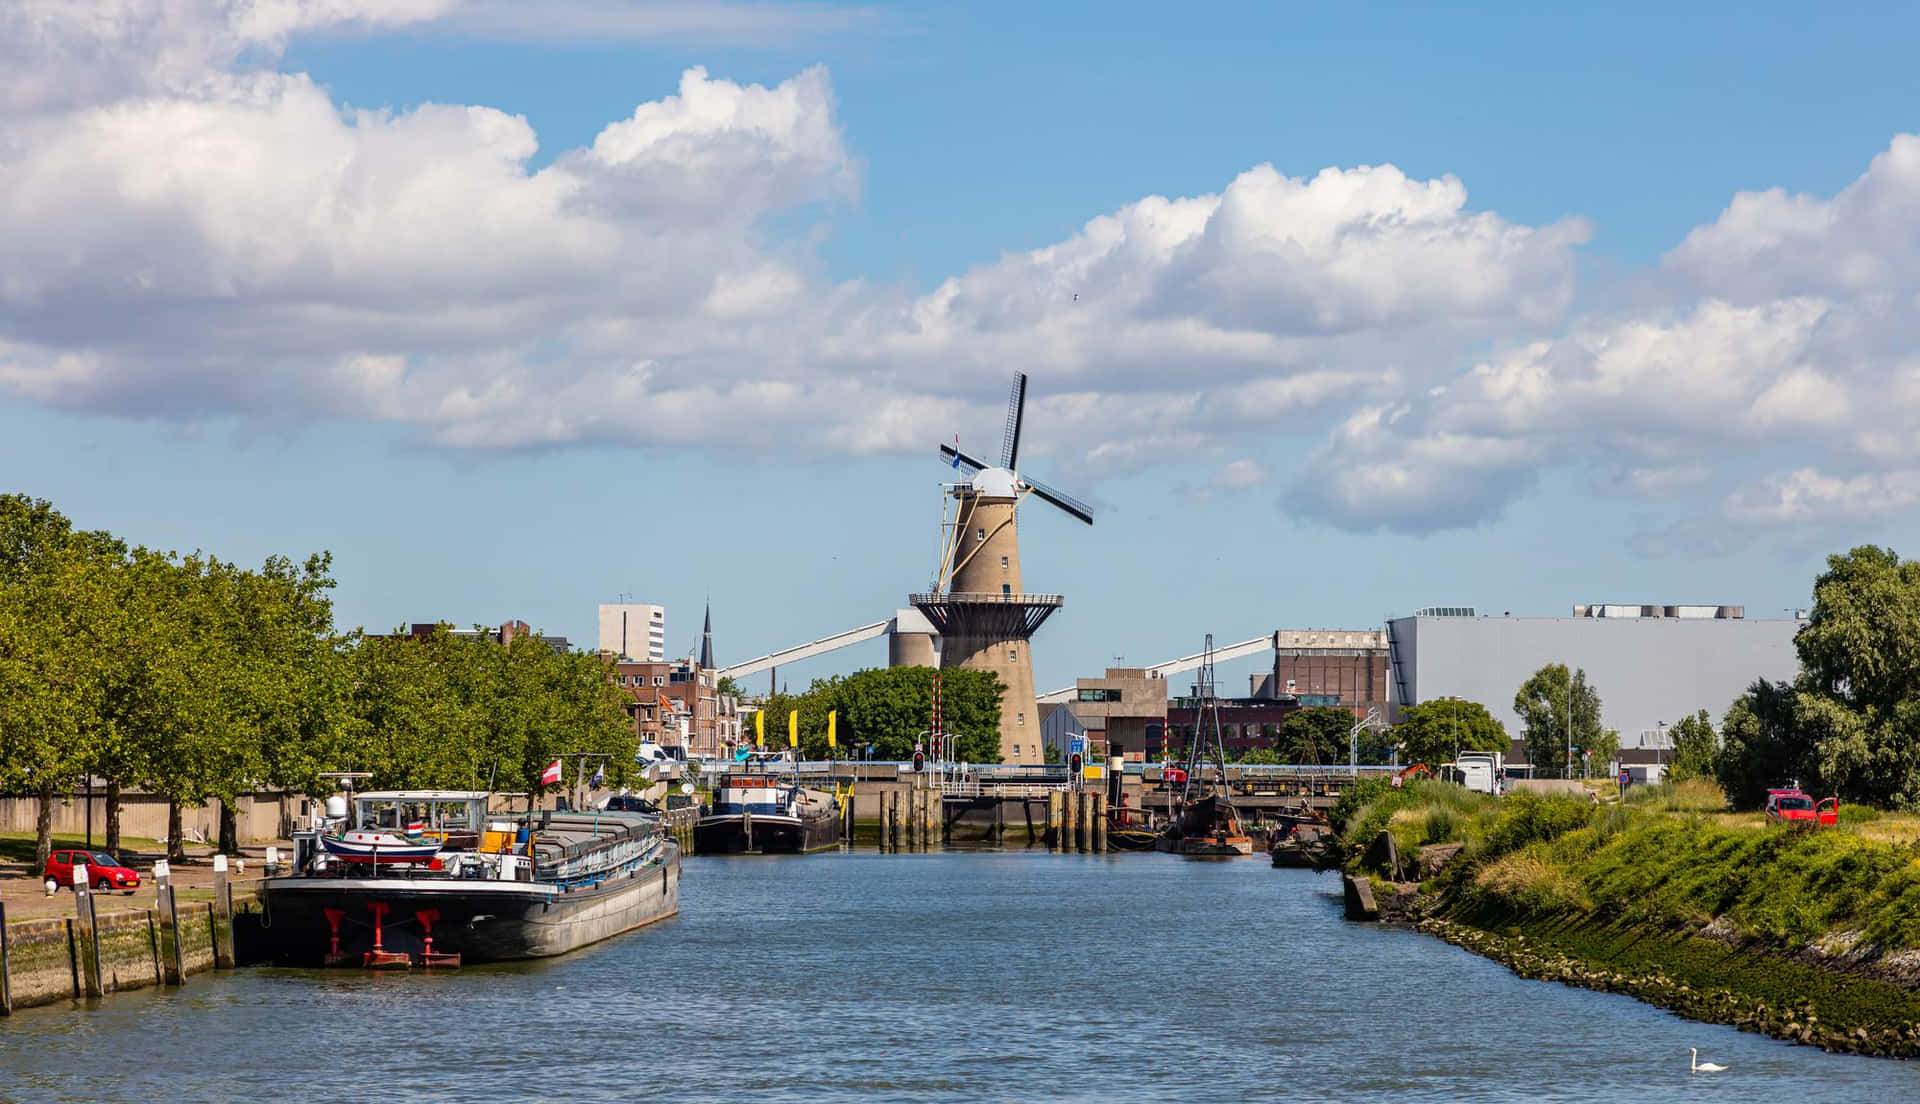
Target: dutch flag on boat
{"points": [[415, 829], [551, 775]]}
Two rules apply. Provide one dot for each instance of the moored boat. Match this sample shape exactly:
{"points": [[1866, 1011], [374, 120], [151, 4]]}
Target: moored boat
{"points": [[373, 845], [767, 816], [495, 887], [1297, 844], [1207, 827]]}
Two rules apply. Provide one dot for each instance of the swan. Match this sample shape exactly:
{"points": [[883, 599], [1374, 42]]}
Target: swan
{"points": [[1704, 1067]]}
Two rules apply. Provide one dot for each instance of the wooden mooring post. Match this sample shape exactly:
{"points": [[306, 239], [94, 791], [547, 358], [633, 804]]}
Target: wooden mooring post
{"points": [[222, 915], [6, 965], [173, 958], [1053, 820], [86, 935], [1099, 824]]}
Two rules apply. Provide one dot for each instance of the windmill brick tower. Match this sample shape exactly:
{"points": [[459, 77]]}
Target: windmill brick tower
{"points": [[983, 614]]}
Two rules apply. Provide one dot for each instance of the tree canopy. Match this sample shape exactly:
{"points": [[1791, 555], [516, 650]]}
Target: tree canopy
{"points": [[1694, 747], [199, 679], [1546, 703], [1316, 734], [1849, 723], [890, 708], [1436, 732]]}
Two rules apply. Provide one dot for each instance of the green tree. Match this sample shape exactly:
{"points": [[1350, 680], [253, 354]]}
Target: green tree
{"points": [[1694, 747], [1435, 732], [55, 653], [1317, 734], [1545, 703], [1858, 697], [889, 707], [1761, 744]]}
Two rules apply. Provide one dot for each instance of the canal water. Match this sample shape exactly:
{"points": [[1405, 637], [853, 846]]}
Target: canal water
{"points": [[932, 977]]}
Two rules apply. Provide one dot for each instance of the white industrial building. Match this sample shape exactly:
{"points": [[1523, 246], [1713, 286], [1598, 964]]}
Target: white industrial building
{"points": [[1650, 664]]}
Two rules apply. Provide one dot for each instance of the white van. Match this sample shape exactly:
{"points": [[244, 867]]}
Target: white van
{"points": [[1480, 770]]}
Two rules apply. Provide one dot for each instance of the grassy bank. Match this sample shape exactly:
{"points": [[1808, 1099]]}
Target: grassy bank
{"points": [[1810, 935]]}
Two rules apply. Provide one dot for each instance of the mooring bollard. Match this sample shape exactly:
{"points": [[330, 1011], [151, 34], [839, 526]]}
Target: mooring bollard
{"points": [[6, 966], [222, 916], [87, 941], [914, 841], [173, 962]]}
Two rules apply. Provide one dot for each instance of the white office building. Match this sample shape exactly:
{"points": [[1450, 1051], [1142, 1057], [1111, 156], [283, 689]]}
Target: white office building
{"points": [[634, 632]]}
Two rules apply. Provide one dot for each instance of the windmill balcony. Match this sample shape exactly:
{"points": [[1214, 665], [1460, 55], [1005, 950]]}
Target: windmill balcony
{"points": [[1011, 615], [987, 598]]}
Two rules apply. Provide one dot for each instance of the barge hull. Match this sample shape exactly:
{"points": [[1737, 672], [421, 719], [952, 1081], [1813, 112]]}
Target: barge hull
{"points": [[479, 921], [728, 835]]}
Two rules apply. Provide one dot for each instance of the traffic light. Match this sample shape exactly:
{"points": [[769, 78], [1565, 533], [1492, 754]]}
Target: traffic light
{"points": [[919, 760], [1073, 764]]}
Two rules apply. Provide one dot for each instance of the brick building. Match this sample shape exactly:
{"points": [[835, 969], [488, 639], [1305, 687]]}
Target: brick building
{"points": [[680, 705], [1339, 667], [1245, 723]]}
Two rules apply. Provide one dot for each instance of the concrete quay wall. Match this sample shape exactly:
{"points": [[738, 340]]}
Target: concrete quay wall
{"points": [[52, 959]]}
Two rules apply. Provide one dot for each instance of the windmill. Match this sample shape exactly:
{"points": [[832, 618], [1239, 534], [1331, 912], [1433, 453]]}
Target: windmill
{"points": [[978, 606]]}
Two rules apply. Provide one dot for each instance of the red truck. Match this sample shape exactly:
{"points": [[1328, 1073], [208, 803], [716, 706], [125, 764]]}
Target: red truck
{"points": [[1796, 807]]}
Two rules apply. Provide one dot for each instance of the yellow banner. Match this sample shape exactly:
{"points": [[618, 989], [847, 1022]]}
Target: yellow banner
{"points": [[793, 729], [759, 728], [832, 738]]}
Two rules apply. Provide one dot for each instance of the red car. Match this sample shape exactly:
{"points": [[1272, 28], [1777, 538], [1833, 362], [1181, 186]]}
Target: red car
{"points": [[103, 870], [1795, 807]]}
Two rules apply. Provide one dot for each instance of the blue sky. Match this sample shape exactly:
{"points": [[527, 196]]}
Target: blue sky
{"points": [[488, 402]]}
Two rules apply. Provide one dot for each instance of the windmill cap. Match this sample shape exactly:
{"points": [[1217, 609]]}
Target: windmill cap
{"points": [[996, 483]]}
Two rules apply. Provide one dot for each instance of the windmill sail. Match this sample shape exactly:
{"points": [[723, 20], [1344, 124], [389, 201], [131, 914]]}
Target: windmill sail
{"points": [[949, 453], [1016, 412], [1065, 501]]}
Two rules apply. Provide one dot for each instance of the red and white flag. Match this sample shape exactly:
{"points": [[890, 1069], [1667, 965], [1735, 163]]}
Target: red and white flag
{"points": [[551, 775]]}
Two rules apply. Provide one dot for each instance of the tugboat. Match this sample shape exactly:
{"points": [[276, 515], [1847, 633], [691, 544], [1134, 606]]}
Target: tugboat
{"points": [[1300, 840], [1205, 824], [760, 815], [1123, 833], [433, 878]]}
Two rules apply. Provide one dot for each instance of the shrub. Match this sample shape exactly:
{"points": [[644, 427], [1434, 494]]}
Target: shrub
{"points": [[1444, 823], [1527, 818], [1525, 885], [1689, 795]]}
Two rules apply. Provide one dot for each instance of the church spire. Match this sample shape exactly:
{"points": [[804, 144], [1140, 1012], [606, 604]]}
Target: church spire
{"points": [[706, 641]]}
